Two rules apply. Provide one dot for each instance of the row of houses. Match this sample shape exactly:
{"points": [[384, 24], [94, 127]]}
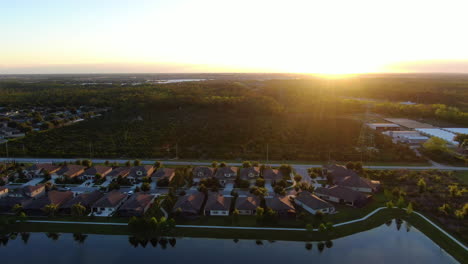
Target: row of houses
{"points": [[229, 174], [33, 200], [218, 204], [110, 173]]}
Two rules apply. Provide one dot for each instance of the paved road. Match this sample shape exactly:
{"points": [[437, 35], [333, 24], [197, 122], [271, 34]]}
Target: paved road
{"points": [[197, 163]]}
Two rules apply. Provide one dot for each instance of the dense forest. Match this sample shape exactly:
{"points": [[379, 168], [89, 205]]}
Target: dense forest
{"points": [[310, 119]]}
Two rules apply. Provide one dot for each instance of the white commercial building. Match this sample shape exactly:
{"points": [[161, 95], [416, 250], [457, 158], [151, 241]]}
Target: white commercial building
{"points": [[437, 132]]}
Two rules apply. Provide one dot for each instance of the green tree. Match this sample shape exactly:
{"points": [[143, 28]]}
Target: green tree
{"points": [[87, 163], [436, 144], [128, 164], [145, 186], [297, 178], [260, 214], [409, 209], [158, 164], [401, 202], [322, 227], [214, 164], [422, 185], [17, 209], [390, 204], [461, 138], [22, 217], [78, 210], [136, 163], [50, 209]]}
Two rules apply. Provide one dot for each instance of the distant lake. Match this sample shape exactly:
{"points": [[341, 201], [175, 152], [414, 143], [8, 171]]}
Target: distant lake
{"points": [[180, 80], [384, 244]]}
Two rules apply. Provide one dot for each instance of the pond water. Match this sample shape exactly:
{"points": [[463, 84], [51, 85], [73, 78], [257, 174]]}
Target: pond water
{"points": [[384, 244]]}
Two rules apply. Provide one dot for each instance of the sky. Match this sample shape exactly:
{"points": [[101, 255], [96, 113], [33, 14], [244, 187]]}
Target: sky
{"points": [[302, 36]]}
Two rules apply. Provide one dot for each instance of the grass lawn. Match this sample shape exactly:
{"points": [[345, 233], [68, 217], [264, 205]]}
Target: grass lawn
{"points": [[462, 175]]}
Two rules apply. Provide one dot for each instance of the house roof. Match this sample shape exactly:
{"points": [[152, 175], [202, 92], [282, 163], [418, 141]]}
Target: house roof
{"points": [[111, 199], [70, 169], [279, 203], [3, 188], [249, 173], [341, 193], [137, 202], [190, 203], [164, 173], [223, 171], [43, 166], [358, 182], [312, 201], [52, 197], [145, 171], [85, 199], [30, 188], [339, 171], [272, 174], [103, 170], [206, 171], [217, 201], [119, 171], [247, 203]]}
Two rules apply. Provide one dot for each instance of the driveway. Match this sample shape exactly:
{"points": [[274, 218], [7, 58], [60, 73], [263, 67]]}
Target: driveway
{"points": [[87, 183], [303, 172]]}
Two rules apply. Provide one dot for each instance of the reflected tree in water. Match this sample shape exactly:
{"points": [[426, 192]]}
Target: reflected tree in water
{"points": [[398, 222], [163, 243], [172, 242], [308, 246], [53, 236], [329, 244], [133, 241], [25, 237], [13, 235], [389, 222], [4, 240], [408, 226], [235, 240], [154, 242], [259, 242], [79, 237], [321, 246]]}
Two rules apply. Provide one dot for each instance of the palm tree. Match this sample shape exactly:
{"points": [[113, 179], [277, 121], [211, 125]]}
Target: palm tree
{"points": [[78, 210], [50, 209]]}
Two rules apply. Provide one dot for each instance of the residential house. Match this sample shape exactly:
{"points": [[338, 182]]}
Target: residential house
{"points": [[85, 199], [360, 184], [202, 172], [7, 203], [190, 205], [163, 174], [118, 172], [90, 173], [342, 195], [71, 171], [247, 205], [39, 170], [139, 172], [136, 205], [337, 172], [36, 206], [250, 174], [312, 203], [226, 175], [217, 204], [29, 192], [272, 175], [282, 205], [109, 204], [3, 191]]}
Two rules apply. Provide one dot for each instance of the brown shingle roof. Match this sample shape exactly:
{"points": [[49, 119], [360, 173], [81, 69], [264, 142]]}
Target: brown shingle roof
{"points": [[111, 199], [141, 171], [339, 171], [271, 174], [312, 201], [226, 173], [50, 168], [280, 203], [217, 201], [119, 171], [70, 170], [247, 203], [203, 172], [190, 203], [103, 170], [249, 173], [85, 199], [164, 173], [137, 202], [52, 197], [358, 182]]}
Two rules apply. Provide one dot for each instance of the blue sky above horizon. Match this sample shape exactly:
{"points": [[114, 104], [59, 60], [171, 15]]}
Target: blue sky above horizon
{"points": [[306, 36]]}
